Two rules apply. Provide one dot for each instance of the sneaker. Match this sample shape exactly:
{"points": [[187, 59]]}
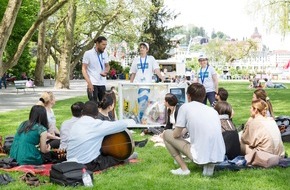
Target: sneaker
{"points": [[179, 171], [133, 156], [208, 170]]}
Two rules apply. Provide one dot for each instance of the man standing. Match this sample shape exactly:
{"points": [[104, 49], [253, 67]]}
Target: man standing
{"points": [[144, 66], [206, 146], [95, 69]]}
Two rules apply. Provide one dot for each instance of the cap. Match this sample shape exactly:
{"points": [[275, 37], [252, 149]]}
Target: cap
{"points": [[145, 44], [202, 56]]}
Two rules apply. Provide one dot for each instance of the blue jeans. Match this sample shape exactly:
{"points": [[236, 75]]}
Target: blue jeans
{"points": [[209, 96]]}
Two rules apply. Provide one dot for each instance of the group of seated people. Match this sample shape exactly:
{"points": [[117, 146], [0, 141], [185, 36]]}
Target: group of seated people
{"points": [[207, 145]]}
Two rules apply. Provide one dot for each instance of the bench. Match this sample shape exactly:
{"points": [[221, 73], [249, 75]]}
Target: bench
{"points": [[21, 84]]}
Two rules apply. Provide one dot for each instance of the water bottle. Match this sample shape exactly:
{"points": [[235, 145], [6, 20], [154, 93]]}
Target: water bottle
{"points": [[87, 180]]}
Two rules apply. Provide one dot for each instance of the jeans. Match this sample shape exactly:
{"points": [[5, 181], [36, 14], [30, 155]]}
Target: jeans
{"points": [[210, 96], [98, 93]]}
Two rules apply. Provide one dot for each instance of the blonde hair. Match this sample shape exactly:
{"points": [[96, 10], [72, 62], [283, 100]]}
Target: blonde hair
{"points": [[262, 95], [45, 98], [261, 106]]}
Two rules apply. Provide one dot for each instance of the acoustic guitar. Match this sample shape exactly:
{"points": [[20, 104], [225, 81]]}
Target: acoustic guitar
{"points": [[119, 145]]}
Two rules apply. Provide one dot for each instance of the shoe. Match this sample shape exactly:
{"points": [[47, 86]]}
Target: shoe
{"points": [[179, 171], [208, 170], [133, 156], [141, 143]]}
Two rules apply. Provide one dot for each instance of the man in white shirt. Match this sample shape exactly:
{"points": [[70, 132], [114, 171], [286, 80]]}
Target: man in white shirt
{"points": [[144, 66], [76, 110], [142, 71], [86, 137], [206, 146], [95, 69]]}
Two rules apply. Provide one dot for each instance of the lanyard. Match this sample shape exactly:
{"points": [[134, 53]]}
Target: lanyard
{"points": [[101, 62], [143, 65], [202, 75]]}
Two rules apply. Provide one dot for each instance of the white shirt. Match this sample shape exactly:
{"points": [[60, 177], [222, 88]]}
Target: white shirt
{"points": [[64, 131], [204, 127], [86, 137], [51, 120], [95, 65], [144, 69], [205, 77]]}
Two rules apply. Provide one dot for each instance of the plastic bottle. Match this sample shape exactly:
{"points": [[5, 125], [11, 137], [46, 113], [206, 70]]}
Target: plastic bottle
{"points": [[87, 180]]}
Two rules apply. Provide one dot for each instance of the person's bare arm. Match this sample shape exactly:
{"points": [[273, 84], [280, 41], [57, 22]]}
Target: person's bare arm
{"points": [[106, 71], [215, 81], [177, 132], [157, 71], [44, 148], [87, 78], [132, 77]]}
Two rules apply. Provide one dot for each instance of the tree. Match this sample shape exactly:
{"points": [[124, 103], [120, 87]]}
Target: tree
{"points": [[117, 20], [219, 50], [6, 27], [52, 7], [156, 33], [275, 14]]}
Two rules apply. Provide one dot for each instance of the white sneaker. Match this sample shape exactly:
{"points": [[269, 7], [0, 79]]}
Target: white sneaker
{"points": [[208, 169], [179, 171]]}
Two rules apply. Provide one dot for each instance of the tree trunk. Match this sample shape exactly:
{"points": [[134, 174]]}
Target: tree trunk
{"points": [[63, 75], [26, 38], [6, 27], [41, 53]]}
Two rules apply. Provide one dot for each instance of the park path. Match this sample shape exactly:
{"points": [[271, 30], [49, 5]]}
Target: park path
{"points": [[10, 100]]}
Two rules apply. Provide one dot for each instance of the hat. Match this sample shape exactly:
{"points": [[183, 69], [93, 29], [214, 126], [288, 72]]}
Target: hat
{"points": [[202, 57], [145, 44]]}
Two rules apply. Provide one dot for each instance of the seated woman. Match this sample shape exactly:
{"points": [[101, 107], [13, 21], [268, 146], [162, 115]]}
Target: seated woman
{"points": [[229, 131], [260, 94], [106, 110], [261, 132], [47, 100], [29, 143]]}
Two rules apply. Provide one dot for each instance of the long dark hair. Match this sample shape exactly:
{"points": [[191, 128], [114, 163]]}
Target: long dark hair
{"points": [[37, 115]]}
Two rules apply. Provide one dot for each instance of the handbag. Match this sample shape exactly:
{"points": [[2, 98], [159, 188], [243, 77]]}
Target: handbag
{"points": [[68, 173], [8, 143], [262, 158]]}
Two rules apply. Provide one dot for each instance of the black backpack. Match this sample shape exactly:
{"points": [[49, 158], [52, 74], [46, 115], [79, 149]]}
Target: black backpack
{"points": [[68, 173]]}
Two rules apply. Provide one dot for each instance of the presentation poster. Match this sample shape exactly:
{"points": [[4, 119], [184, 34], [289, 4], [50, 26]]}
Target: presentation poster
{"points": [[144, 103]]}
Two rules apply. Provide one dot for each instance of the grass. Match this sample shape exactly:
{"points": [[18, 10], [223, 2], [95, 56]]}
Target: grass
{"points": [[152, 170]]}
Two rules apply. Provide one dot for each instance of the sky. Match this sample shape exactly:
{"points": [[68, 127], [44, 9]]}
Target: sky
{"points": [[227, 16]]}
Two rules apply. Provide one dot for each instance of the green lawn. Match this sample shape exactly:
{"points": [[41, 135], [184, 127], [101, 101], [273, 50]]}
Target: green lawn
{"points": [[153, 169]]}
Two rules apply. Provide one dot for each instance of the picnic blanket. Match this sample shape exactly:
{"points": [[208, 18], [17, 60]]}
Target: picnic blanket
{"points": [[44, 169], [240, 163]]}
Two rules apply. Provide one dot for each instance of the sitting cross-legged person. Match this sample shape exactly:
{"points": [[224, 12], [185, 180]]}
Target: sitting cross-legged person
{"points": [[261, 133], [76, 110], [86, 137], [206, 146], [29, 145]]}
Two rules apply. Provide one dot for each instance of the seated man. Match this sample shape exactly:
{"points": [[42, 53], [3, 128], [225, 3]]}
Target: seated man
{"points": [[76, 110], [206, 146], [86, 137]]}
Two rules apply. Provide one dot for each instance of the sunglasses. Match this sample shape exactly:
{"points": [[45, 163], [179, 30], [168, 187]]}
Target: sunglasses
{"points": [[200, 60]]}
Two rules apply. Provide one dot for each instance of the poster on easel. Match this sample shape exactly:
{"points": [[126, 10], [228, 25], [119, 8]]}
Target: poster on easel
{"points": [[144, 103]]}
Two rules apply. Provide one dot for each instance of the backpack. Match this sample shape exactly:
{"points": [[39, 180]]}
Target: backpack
{"points": [[231, 139], [68, 173]]}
